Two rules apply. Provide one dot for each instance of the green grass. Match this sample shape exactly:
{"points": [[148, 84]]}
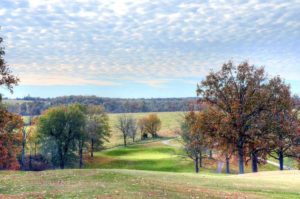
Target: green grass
{"points": [[170, 125], [156, 156], [113, 183], [146, 156]]}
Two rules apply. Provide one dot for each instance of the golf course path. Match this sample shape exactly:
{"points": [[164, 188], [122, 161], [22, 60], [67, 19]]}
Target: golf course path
{"points": [[276, 164], [168, 142]]}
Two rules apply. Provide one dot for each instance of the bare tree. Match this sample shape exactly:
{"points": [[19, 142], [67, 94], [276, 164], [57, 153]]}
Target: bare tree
{"points": [[127, 126]]}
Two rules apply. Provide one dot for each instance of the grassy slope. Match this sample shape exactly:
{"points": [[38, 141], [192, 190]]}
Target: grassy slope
{"points": [[147, 156], [97, 183], [170, 123], [155, 156]]}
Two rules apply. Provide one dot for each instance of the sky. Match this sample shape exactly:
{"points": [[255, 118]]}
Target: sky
{"points": [[144, 48]]}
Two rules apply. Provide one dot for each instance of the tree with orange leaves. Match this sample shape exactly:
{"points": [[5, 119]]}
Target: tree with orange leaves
{"points": [[196, 137], [10, 140], [149, 124], [10, 124], [218, 135]]}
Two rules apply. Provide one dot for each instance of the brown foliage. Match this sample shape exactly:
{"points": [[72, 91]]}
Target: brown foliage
{"points": [[150, 124], [10, 140], [10, 124], [248, 113]]}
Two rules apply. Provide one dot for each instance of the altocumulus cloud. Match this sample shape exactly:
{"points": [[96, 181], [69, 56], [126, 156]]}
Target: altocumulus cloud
{"points": [[151, 42]]}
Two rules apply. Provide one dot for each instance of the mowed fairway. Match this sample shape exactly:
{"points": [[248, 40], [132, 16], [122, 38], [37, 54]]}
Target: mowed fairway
{"points": [[170, 124], [150, 155], [155, 155], [113, 183]]}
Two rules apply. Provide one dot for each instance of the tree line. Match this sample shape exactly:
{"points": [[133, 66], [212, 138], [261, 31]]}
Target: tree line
{"points": [[35, 106], [247, 115]]}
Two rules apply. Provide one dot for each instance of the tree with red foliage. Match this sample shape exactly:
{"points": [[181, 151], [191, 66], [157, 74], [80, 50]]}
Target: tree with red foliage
{"points": [[10, 124], [219, 138], [10, 140]]}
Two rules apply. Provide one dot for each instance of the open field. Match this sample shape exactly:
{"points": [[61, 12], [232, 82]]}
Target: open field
{"points": [[14, 101], [170, 123], [114, 183]]}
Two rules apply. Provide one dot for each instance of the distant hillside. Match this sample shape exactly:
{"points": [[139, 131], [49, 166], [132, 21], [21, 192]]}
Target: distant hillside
{"points": [[35, 106]]}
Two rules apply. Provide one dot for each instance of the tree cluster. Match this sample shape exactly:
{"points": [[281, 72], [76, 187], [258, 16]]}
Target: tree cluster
{"points": [[248, 116], [64, 131], [148, 125]]}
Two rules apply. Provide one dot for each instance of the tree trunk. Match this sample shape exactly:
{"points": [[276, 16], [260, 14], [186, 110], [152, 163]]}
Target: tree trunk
{"points": [[210, 154], [241, 160], [80, 154], [254, 162], [196, 164], [64, 154], [61, 158], [280, 158], [35, 149], [227, 165], [23, 150], [124, 137], [92, 148], [62, 164], [200, 160], [30, 162]]}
